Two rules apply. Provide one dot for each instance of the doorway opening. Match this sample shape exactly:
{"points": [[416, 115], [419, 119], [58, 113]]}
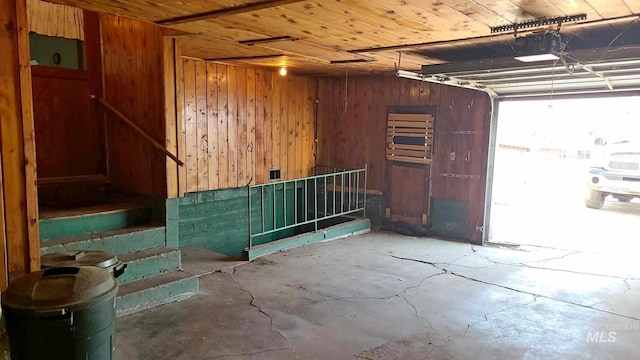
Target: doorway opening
{"points": [[545, 153]]}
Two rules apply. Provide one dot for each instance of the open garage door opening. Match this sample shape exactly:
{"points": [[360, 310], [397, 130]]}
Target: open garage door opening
{"points": [[567, 174]]}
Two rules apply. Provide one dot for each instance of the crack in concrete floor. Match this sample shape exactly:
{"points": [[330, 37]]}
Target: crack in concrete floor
{"points": [[443, 267], [527, 265], [431, 335], [447, 271], [398, 295], [251, 353], [628, 288], [553, 258], [625, 280], [444, 270], [486, 315], [572, 272], [263, 312], [404, 291]]}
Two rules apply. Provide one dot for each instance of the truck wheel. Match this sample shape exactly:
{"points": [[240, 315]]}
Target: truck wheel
{"points": [[594, 199]]}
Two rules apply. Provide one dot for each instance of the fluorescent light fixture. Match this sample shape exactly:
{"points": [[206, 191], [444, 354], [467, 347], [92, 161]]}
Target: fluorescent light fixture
{"points": [[408, 75], [539, 57]]}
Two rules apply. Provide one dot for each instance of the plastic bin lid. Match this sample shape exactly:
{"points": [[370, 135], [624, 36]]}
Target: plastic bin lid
{"points": [[103, 259], [58, 288]]}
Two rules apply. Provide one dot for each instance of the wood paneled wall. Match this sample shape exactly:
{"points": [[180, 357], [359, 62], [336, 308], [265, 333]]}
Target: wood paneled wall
{"points": [[55, 20], [4, 245], [132, 53], [352, 128], [19, 240], [237, 123], [69, 136]]}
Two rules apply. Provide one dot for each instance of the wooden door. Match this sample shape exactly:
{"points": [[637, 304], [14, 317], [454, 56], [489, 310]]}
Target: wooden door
{"points": [[69, 136], [409, 150]]}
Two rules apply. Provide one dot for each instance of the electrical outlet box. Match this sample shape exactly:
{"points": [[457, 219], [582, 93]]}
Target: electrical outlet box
{"points": [[274, 174]]}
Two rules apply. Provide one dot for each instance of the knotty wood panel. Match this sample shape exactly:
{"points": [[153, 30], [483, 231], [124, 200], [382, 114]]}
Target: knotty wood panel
{"points": [[350, 25], [352, 123], [20, 203], [232, 126], [4, 273], [253, 120], [201, 126], [69, 140], [134, 84], [170, 99], [212, 128]]}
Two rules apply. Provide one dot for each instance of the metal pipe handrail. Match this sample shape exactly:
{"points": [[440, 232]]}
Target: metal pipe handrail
{"points": [[138, 129], [314, 189], [305, 178]]}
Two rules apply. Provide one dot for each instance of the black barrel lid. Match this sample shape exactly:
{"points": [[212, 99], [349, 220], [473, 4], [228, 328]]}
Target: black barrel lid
{"points": [[103, 259], [58, 288]]}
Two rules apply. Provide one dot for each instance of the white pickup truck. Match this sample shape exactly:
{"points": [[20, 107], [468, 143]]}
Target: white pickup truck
{"points": [[615, 172]]}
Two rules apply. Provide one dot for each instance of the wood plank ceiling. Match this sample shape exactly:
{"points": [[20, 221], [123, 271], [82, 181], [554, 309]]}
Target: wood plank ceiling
{"points": [[339, 35]]}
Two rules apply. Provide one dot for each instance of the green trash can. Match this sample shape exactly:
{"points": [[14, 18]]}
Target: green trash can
{"points": [[65, 313], [102, 259]]}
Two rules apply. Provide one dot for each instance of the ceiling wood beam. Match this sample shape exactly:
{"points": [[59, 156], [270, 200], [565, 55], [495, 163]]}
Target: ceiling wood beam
{"points": [[257, 57], [266, 40], [233, 10], [171, 32]]}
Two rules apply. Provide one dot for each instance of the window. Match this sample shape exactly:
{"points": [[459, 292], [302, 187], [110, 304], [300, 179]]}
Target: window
{"points": [[56, 51]]}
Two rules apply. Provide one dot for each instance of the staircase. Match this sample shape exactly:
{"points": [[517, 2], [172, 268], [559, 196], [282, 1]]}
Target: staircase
{"points": [[153, 275]]}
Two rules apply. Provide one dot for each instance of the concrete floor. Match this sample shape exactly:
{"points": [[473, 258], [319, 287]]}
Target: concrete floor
{"points": [[386, 296], [552, 210]]}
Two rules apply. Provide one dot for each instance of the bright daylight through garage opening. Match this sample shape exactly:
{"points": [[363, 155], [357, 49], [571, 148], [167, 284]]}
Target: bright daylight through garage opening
{"points": [[567, 174]]}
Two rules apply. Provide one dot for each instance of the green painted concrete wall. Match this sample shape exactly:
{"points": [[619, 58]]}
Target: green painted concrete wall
{"points": [[375, 209], [76, 225], [213, 220], [285, 210], [217, 220], [450, 218], [343, 229]]}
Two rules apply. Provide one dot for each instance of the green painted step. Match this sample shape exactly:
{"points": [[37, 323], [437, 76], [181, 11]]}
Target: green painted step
{"points": [[64, 223], [118, 242], [147, 263], [157, 290], [350, 228]]}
